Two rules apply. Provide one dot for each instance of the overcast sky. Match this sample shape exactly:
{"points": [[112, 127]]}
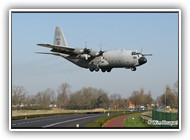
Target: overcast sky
{"points": [[156, 33]]}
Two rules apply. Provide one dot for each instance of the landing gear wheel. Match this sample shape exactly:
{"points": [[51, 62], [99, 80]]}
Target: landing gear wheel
{"points": [[97, 70], [133, 68], [103, 70], [91, 69], [108, 70]]}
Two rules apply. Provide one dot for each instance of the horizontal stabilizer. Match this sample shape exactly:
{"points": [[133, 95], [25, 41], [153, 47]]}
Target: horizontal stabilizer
{"points": [[47, 45], [57, 54]]}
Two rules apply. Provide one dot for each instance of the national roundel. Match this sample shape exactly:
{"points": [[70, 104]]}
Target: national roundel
{"points": [[58, 42]]}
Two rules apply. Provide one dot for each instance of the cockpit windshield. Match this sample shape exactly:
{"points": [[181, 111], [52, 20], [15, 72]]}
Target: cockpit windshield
{"points": [[134, 53]]}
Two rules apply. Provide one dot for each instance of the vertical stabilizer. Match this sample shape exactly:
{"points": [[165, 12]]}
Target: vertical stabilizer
{"points": [[59, 39]]}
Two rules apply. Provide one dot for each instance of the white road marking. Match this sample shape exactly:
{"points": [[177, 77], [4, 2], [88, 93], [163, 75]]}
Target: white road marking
{"points": [[58, 123], [32, 121]]}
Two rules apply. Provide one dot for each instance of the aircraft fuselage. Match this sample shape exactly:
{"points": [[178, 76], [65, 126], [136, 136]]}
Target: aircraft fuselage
{"points": [[94, 60], [109, 60]]}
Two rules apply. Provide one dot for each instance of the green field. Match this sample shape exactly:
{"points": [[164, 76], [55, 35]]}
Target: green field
{"points": [[135, 120]]}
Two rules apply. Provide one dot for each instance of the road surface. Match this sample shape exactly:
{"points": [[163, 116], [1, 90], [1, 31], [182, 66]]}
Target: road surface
{"points": [[60, 121]]}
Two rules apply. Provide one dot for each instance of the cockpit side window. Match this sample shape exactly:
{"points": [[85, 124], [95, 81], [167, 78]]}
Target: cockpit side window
{"points": [[133, 53]]}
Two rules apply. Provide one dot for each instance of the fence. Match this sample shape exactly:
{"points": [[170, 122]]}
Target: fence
{"points": [[168, 116]]}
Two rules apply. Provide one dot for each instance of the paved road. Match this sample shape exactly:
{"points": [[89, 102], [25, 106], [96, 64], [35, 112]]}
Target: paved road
{"points": [[61, 121]]}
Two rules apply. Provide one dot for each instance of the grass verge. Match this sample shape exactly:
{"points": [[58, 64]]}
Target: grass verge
{"points": [[102, 120], [135, 120]]}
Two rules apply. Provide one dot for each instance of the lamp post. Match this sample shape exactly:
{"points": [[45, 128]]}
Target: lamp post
{"points": [[165, 98]]}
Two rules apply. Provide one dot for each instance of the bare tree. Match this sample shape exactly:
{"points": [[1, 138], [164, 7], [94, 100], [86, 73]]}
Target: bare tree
{"points": [[49, 96], [102, 100], [42, 99], [88, 98], [141, 98], [168, 98], [176, 87], [147, 99], [115, 101], [62, 98], [18, 96], [75, 100], [136, 98], [28, 100]]}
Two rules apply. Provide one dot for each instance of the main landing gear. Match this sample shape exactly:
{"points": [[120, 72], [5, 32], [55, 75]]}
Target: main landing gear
{"points": [[97, 69]]}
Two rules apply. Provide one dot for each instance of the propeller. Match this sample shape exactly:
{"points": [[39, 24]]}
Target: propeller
{"points": [[91, 52], [100, 52], [86, 50], [143, 54], [146, 54]]}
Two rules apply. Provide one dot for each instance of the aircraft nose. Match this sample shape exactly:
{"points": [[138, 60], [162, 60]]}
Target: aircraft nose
{"points": [[142, 60]]}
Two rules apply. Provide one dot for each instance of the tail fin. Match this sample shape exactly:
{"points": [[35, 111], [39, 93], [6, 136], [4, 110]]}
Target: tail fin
{"points": [[59, 39]]}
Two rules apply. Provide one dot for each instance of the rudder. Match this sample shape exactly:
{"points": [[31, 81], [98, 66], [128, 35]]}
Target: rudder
{"points": [[59, 39]]}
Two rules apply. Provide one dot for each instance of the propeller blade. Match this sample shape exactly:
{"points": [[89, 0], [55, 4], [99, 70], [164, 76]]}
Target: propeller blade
{"points": [[101, 52], [146, 54]]}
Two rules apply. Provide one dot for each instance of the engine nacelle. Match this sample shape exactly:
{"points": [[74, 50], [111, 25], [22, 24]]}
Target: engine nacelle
{"points": [[103, 63], [94, 53], [85, 56], [78, 51]]}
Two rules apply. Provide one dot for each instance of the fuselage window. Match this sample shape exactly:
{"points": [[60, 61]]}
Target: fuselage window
{"points": [[134, 57]]}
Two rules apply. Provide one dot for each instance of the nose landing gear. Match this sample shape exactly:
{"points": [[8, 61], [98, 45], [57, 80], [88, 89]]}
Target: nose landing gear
{"points": [[133, 68]]}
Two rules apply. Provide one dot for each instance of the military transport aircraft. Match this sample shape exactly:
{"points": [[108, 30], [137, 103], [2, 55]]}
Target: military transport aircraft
{"points": [[94, 60]]}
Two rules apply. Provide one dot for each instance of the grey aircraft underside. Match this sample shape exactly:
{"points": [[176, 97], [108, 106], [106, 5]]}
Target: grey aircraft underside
{"points": [[94, 60]]}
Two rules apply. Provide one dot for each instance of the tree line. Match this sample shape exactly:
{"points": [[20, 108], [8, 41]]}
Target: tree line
{"points": [[89, 98]]}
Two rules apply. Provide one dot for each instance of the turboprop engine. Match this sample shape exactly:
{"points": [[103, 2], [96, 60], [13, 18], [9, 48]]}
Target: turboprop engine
{"points": [[78, 51], [85, 56], [94, 53]]}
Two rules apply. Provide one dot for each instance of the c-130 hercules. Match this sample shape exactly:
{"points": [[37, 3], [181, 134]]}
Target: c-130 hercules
{"points": [[94, 60]]}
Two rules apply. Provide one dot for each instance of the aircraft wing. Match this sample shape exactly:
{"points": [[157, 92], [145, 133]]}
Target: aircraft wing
{"points": [[72, 51], [58, 49]]}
